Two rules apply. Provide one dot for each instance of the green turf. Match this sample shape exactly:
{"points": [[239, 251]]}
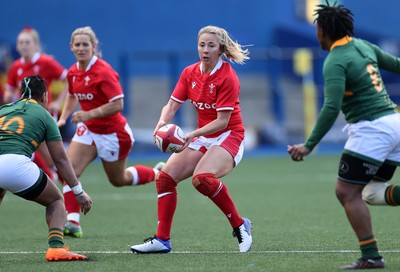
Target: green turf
{"points": [[298, 224]]}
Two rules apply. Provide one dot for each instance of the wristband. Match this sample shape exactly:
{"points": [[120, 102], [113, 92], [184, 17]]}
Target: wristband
{"points": [[77, 189]]}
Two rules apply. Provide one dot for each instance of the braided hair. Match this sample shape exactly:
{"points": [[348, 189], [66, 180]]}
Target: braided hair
{"points": [[336, 21], [32, 87]]}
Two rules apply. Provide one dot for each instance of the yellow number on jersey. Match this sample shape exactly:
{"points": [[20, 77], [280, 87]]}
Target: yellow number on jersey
{"points": [[376, 79], [18, 120]]}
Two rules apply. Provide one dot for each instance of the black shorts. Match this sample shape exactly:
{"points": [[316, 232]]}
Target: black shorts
{"points": [[358, 171], [36, 189]]}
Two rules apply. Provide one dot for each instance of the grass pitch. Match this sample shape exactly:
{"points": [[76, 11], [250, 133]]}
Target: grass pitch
{"points": [[298, 225]]}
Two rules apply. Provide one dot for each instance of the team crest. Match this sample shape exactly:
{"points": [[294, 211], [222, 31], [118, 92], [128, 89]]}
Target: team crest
{"points": [[87, 78], [193, 84], [80, 130], [212, 86], [36, 69]]}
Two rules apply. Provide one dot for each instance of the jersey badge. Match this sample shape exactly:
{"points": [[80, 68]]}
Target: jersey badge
{"points": [[212, 86], [81, 130], [87, 78], [193, 84], [36, 69]]}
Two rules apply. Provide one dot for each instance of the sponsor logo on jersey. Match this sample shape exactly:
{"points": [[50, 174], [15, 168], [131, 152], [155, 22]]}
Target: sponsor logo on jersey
{"points": [[203, 106], [84, 96]]}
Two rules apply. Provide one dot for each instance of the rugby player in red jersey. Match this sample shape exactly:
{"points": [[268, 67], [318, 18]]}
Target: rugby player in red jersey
{"points": [[102, 131], [215, 147], [34, 62]]}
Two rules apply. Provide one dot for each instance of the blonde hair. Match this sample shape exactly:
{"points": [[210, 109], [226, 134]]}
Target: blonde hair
{"points": [[87, 30], [34, 34], [232, 50]]}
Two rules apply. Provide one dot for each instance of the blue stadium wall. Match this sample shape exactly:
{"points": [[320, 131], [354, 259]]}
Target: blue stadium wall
{"points": [[128, 25]]}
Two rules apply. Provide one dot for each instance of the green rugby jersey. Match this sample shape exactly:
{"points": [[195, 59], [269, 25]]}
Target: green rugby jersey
{"points": [[353, 84], [22, 131]]}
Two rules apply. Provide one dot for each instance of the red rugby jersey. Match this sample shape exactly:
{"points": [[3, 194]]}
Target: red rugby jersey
{"points": [[210, 93], [96, 86], [43, 65]]}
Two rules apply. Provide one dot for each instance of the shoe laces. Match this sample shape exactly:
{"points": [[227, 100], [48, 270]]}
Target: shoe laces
{"points": [[150, 239], [236, 233]]}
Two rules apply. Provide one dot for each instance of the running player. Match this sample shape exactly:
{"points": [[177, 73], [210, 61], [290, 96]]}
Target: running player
{"points": [[102, 131], [34, 62], [215, 147], [353, 84]]}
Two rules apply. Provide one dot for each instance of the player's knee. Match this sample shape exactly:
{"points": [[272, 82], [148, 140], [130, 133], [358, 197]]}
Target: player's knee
{"points": [[116, 182], [340, 194], [165, 183], [374, 193], [346, 193], [206, 184]]}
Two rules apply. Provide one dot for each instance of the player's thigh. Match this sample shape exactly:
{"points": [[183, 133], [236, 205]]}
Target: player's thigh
{"points": [[81, 155], [356, 169], [18, 173], [49, 194], [377, 140], [181, 165], [115, 170], [217, 160]]}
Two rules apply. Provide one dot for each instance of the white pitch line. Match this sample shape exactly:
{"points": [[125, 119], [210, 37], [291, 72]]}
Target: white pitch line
{"points": [[211, 252]]}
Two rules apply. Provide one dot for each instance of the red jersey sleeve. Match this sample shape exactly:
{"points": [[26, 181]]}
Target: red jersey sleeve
{"points": [[70, 78], [180, 92], [12, 77], [54, 70], [110, 85]]}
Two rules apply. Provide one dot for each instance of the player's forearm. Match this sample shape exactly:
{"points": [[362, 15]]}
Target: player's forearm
{"points": [[61, 161], [69, 106], [107, 109], [65, 169], [168, 111], [61, 98], [325, 121]]}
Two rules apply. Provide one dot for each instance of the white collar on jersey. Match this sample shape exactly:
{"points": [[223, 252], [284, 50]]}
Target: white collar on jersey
{"points": [[219, 64], [92, 61], [34, 58]]}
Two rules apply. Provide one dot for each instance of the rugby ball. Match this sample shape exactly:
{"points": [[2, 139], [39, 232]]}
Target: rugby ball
{"points": [[169, 138]]}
